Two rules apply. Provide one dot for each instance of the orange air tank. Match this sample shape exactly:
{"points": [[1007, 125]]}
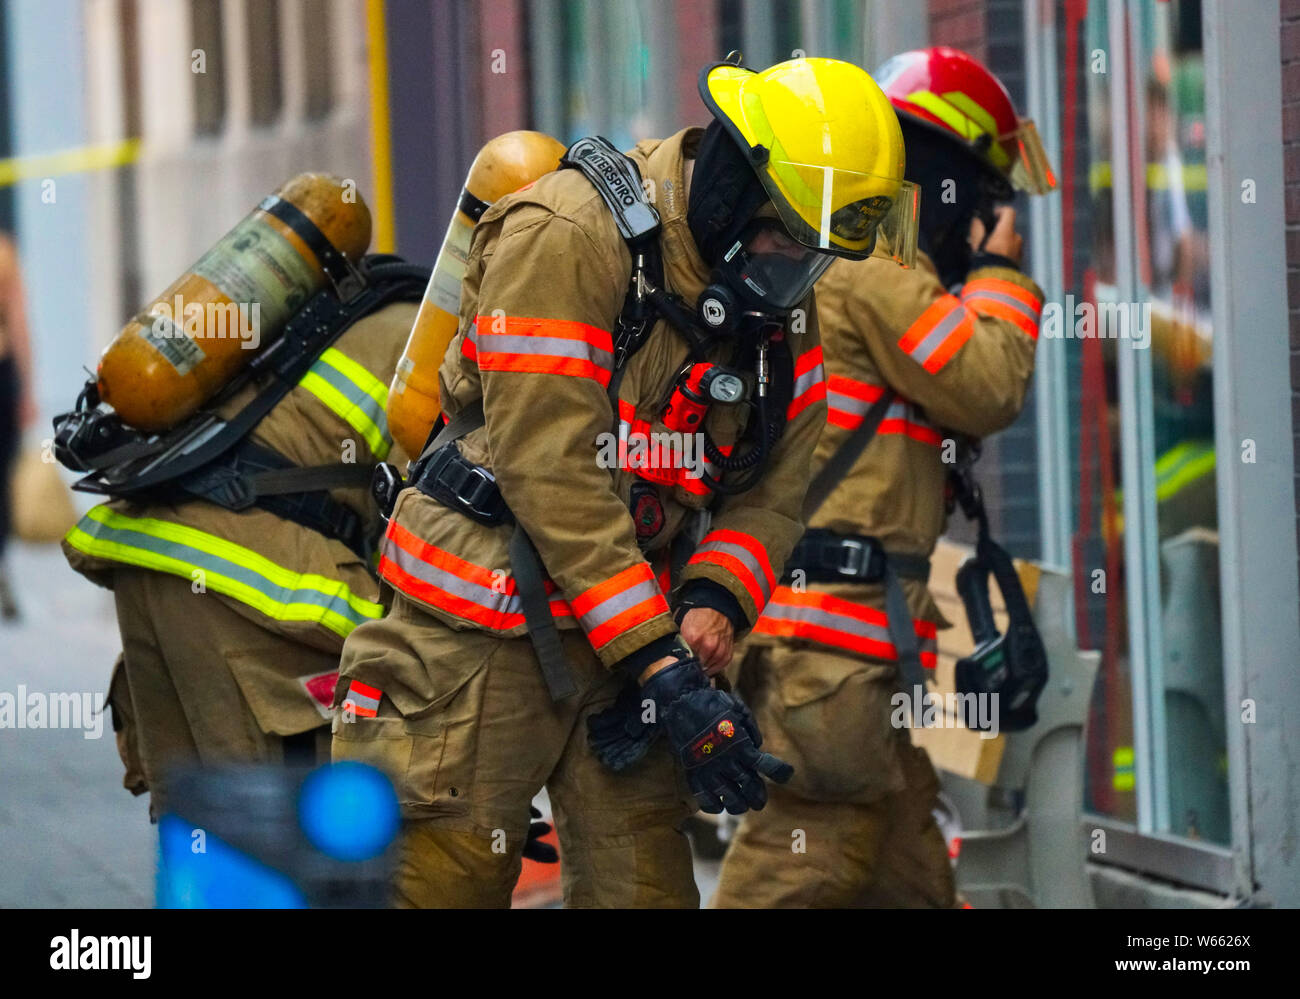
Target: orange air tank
{"points": [[502, 166], [179, 350]]}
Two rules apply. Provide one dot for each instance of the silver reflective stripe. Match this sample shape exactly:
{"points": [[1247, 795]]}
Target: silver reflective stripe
{"points": [[809, 379], [252, 587], [612, 606], [922, 351], [896, 411], [361, 700], [476, 593], [1028, 310], [744, 556], [549, 346], [354, 393], [828, 619]]}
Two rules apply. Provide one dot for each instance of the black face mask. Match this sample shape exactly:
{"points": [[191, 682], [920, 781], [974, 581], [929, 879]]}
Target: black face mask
{"points": [[955, 186], [725, 193]]}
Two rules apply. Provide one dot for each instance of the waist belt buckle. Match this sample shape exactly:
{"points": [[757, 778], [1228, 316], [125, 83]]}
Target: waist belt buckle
{"points": [[854, 558], [477, 485], [862, 560]]}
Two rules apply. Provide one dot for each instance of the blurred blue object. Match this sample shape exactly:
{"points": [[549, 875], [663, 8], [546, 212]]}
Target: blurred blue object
{"points": [[196, 870], [349, 811]]}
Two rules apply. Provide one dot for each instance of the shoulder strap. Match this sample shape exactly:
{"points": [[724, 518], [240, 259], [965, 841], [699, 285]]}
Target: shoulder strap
{"points": [[616, 177], [838, 465]]}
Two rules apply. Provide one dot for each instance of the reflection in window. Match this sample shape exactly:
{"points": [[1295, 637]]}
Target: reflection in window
{"points": [[1173, 269], [317, 43], [1167, 232], [209, 85], [266, 87]]}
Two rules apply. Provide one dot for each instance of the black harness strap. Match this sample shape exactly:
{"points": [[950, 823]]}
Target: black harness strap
{"points": [[436, 473], [839, 464], [252, 475], [899, 617], [530, 583]]}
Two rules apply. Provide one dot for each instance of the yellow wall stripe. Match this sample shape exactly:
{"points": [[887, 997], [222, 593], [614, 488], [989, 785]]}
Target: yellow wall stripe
{"points": [[65, 161], [381, 147]]}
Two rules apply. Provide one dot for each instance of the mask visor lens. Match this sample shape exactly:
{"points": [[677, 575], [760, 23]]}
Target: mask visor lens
{"points": [[776, 269]]}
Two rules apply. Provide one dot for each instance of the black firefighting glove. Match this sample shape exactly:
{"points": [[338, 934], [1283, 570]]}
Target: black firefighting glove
{"points": [[624, 732], [715, 738], [534, 848]]}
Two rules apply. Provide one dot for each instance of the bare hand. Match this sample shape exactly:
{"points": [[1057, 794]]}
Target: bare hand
{"points": [[710, 636], [1004, 240]]}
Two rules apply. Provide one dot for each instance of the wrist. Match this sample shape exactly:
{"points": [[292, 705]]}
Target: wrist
{"points": [[658, 666], [987, 258], [666, 647], [712, 595]]}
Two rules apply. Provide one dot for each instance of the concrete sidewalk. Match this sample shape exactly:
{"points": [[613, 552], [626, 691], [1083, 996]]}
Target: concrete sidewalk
{"points": [[70, 834]]}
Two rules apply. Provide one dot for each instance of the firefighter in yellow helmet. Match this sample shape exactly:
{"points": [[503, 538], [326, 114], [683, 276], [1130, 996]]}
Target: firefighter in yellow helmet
{"points": [[232, 620], [633, 398], [929, 364]]}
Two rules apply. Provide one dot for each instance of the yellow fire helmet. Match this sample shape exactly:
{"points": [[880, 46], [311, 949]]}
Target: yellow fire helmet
{"points": [[825, 142]]}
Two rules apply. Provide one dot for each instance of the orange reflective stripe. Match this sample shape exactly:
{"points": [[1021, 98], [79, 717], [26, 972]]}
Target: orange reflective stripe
{"points": [[843, 624], [541, 346], [1004, 300], [809, 382], [625, 600], [848, 401], [441, 579], [743, 557], [362, 699], [938, 333], [1003, 287]]}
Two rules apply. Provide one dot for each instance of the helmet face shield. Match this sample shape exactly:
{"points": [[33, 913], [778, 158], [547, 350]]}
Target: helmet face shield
{"points": [[770, 269], [1029, 169], [824, 141], [841, 211]]}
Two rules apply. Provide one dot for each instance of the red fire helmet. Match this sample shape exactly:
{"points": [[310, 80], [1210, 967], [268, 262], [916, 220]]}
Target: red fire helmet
{"points": [[949, 90]]}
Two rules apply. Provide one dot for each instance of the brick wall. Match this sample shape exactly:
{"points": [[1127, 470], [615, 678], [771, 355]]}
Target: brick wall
{"points": [[962, 24], [1290, 11]]}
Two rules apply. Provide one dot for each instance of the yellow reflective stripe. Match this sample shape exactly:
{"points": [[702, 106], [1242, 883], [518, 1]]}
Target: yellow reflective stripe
{"points": [[1182, 465], [964, 116], [354, 395], [227, 568], [1195, 176], [1123, 777], [965, 104]]}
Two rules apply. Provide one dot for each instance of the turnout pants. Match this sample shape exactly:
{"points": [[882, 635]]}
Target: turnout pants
{"points": [[199, 683], [462, 723], [853, 828]]}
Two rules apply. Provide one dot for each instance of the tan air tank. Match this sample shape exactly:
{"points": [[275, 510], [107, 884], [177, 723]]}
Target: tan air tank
{"points": [[192, 339], [504, 165]]}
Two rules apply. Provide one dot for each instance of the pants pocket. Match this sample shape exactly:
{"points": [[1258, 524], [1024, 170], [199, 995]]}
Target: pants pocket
{"points": [[835, 716], [124, 729], [424, 734]]}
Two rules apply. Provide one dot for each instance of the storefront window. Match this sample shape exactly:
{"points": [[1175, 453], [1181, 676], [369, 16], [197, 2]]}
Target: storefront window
{"points": [[1148, 519]]}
